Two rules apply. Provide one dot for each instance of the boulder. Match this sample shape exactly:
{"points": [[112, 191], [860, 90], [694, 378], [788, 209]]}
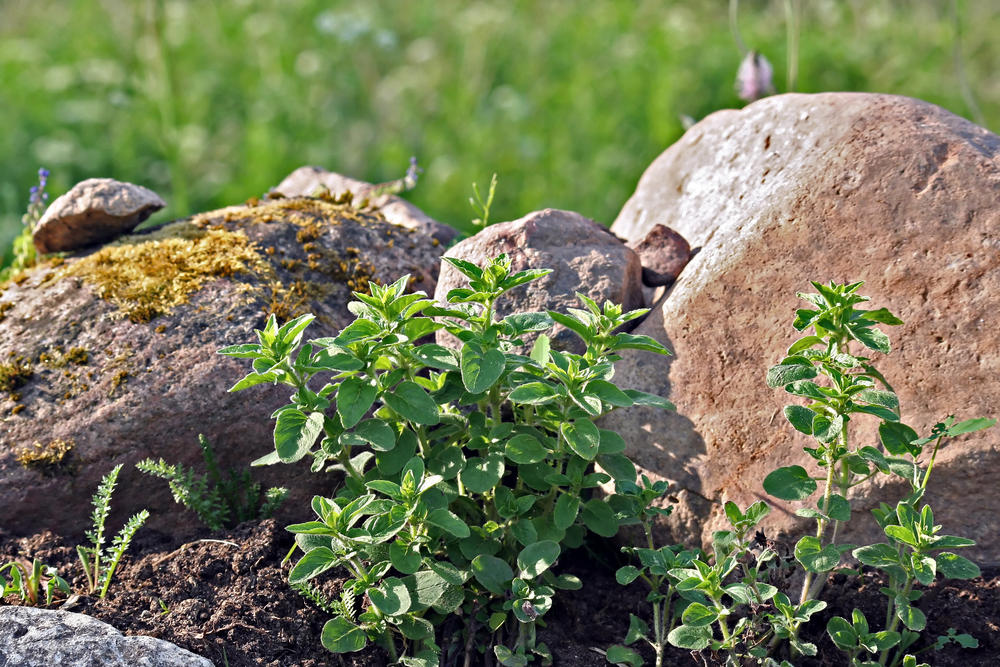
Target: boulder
{"points": [[583, 255], [663, 253], [310, 181], [893, 191], [93, 211], [43, 637], [111, 356]]}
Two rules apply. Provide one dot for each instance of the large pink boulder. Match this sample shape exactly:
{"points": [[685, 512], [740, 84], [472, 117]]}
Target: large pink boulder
{"points": [[893, 191]]}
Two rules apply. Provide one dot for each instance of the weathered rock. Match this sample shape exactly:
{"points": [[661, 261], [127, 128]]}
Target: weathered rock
{"points": [[309, 181], [94, 211], [44, 637], [663, 253], [584, 256], [111, 357], [889, 190]]}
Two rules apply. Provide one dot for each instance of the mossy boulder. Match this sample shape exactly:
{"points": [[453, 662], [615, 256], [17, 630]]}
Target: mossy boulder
{"points": [[114, 350]]}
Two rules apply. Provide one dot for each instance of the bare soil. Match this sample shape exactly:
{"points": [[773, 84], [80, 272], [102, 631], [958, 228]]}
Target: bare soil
{"points": [[226, 597]]}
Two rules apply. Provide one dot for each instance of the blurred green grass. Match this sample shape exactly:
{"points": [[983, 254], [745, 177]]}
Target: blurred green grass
{"points": [[211, 102]]}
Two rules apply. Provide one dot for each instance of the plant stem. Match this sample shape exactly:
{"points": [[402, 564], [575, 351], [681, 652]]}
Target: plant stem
{"points": [[793, 12]]}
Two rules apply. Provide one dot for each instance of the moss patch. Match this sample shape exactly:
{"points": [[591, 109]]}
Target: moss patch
{"points": [[146, 276], [15, 374], [45, 457]]}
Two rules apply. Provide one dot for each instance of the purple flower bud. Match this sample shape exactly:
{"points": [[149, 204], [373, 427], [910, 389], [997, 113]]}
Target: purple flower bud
{"points": [[755, 78], [33, 190], [43, 173]]}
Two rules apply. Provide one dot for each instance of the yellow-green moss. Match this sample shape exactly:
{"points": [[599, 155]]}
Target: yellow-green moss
{"points": [[45, 457], [15, 374], [146, 276]]}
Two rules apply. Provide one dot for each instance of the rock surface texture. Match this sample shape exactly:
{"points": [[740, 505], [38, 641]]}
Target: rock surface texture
{"points": [[43, 637], [110, 357], [893, 191], [306, 181], [94, 211], [583, 255]]}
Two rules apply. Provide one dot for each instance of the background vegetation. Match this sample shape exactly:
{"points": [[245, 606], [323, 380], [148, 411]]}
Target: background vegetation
{"points": [[210, 102]]}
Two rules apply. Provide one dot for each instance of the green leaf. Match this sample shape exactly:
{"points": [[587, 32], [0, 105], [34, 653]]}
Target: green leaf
{"points": [[650, 400], [805, 388], [312, 564], [954, 566], [621, 655], [508, 658], [481, 368], [565, 510], [244, 351], [825, 429], [537, 558], [839, 509], [871, 338], [295, 433], [790, 483], [625, 576], [494, 574], [801, 418], [354, 399], [573, 324], [881, 315], [624, 341], [525, 322], [618, 466], [799, 368], [540, 350], [391, 462], [608, 393], [696, 615], [405, 558], [637, 629], [482, 474], [689, 637], [525, 449], [534, 393], [911, 617], [415, 627], [582, 437], [842, 633], [468, 268], [425, 588], [896, 438], [446, 520], [436, 356], [374, 432], [804, 343], [342, 636], [392, 597], [878, 555], [814, 556], [886, 399], [412, 403], [600, 518], [970, 425], [254, 379]]}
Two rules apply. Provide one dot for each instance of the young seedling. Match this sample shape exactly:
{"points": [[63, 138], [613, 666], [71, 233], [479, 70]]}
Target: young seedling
{"points": [[218, 502], [28, 582], [99, 565]]}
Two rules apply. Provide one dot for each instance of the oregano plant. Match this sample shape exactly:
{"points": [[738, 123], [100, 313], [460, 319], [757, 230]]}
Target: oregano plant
{"points": [[466, 472], [725, 601]]}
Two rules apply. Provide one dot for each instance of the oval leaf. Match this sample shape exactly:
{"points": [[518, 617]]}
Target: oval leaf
{"points": [[790, 483]]}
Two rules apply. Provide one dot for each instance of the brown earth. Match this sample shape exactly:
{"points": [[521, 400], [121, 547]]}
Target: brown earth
{"points": [[226, 597]]}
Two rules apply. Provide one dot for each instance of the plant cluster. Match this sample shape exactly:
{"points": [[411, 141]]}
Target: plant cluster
{"points": [[724, 601], [218, 501], [99, 564], [467, 472], [23, 247]]}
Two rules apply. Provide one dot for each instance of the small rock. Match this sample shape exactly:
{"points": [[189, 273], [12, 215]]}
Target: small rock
{"points": [[663, 253], [585, 257], [94, 211], [42, 637], [310, 181]]}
